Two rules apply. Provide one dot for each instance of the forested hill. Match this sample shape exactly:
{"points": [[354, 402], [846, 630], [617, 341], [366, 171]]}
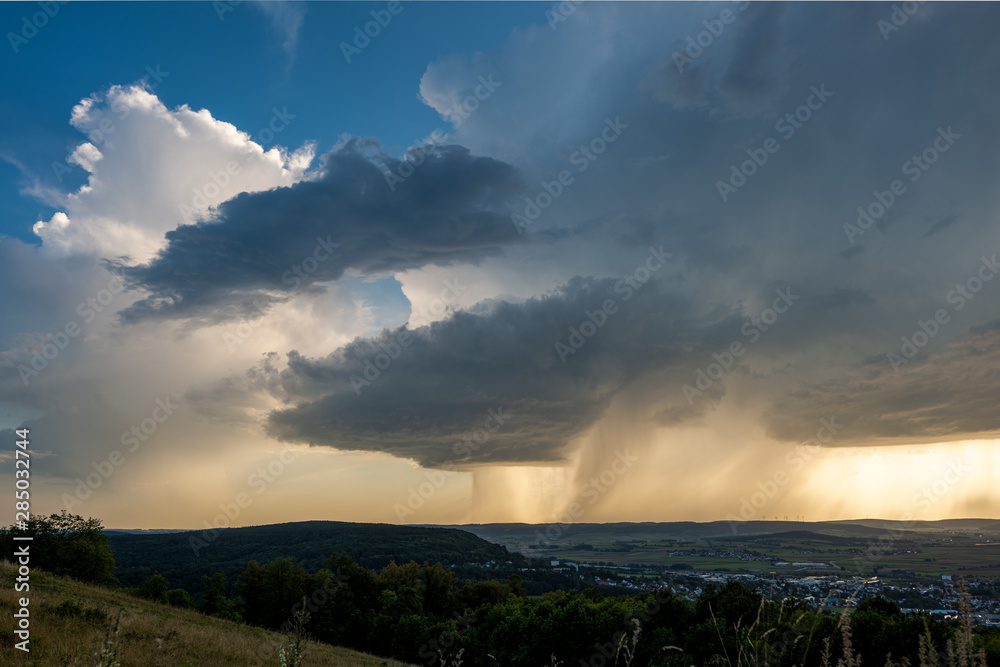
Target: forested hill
{"points": [[184, 557]]}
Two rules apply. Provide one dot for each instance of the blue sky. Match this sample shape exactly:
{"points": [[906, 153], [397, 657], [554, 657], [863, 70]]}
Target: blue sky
{"points": [[235, 66], [701, 233]]}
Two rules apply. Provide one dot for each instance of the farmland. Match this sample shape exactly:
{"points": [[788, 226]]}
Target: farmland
{"points": [[911, 551]]}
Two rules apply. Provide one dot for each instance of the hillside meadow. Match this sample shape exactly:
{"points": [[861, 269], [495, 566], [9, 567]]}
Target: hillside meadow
{"points": [[70, 622]]}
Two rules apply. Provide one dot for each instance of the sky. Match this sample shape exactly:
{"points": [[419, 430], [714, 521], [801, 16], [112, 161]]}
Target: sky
{"points": [[446, 263]]}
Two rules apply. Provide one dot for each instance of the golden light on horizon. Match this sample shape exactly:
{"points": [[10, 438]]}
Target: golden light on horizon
{"points": [[915, 482]]}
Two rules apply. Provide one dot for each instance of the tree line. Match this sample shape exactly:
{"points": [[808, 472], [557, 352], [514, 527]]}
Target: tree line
{"points": [[423, 614]]}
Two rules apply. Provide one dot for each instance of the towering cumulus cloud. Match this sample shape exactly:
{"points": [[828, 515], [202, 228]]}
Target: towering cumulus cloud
{"points": [[151, 169]]}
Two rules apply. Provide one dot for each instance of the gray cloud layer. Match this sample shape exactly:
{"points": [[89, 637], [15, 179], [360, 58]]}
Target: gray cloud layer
{"points": [[445, 380], [261, 246], [939, 396]]}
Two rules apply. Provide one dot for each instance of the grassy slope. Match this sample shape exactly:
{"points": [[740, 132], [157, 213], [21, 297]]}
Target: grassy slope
{"points": [[152, 635]]}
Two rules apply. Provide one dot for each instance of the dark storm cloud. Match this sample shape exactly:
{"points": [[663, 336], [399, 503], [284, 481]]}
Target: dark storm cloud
{"points": [[943, 395], [448, 376], [261, 246]]}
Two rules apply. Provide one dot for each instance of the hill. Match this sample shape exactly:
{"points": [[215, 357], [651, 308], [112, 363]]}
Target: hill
{"points": [[521, 535], [184, 557], [69, 621], [796, 535]]}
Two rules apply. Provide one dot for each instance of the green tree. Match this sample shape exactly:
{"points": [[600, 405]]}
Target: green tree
{"points": [[250, 588], [485, 593], [216, 603], [395, 577], [178, 597], [350, 607], [155, 588], [283, 585], [515, 586], [66, 544], [436, 588]]}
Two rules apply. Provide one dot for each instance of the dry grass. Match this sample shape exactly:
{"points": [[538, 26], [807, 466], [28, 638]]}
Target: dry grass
{"points": [[959, 651], [758, 648], [70, 621]]}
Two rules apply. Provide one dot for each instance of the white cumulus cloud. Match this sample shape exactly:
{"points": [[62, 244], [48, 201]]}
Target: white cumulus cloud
{"points": [[153, 168]]}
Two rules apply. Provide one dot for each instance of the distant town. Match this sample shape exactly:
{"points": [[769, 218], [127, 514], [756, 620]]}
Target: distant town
{"points": [[828, 566]]}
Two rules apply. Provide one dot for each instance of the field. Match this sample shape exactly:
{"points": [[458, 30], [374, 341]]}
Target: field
{"points": [[69, 622], [920, 550]]}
